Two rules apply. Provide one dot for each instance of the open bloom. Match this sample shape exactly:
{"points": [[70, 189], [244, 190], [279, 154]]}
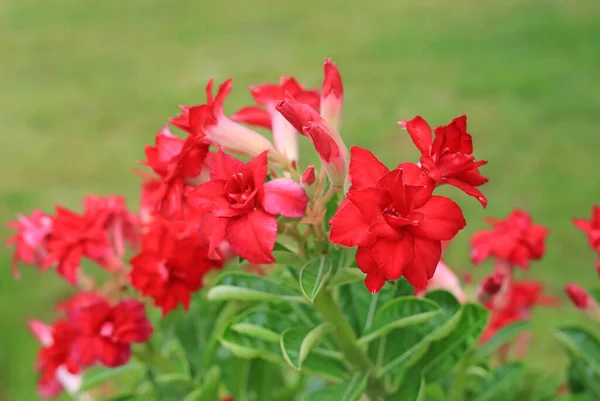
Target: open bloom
{"points": [[55, 360], [591, 228], [327, 141], [171, 265], [74, 236], [396, 222], [267, 96], [516, 240], [332, 95], [179, 164], [32, 233], [241, 208], [208, 122], [448, 159], [105, 332]]}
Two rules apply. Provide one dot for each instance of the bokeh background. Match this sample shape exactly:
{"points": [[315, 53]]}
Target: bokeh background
{"points": [[84, 85]]}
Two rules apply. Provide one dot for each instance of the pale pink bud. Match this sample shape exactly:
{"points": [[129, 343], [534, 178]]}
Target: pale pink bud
{"points": [[444, 278], [308, 177], [285, 135], [489, 287], [332, 95]]}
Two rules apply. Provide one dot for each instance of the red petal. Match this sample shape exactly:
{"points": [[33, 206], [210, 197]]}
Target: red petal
{"points": [[370, 201], [111, 354], [253, 115], [393, 255], [212, 232], [365, 261], [365, 169], [349, 227], [469, 190], [224, 166], [286, 197], [374, 281], [442, 219], [583, 225], [420, 133], [253, 236], [427, 256], [332, 82]]}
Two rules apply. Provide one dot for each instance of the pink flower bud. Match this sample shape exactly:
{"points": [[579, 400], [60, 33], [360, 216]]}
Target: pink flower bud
{"points": [[489, 287], [308, 177], [332, 96], [444, 278], [580, 298]]}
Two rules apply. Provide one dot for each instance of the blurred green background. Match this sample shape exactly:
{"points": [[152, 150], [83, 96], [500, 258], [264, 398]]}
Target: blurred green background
{"points": [[84, 85]]}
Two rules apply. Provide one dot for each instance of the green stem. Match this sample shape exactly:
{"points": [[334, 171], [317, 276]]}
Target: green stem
{"points": [[459, 383], [347, 341]]}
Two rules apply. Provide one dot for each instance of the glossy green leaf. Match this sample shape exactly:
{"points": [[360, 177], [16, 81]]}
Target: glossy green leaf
{"points": [[503, 336], [325, 366], [237, 286], [399, 312], [501, 384], [94, 377], [313, 277], [296, 343], [412, 389], [209, 389], [584, 350], [349, 390]]}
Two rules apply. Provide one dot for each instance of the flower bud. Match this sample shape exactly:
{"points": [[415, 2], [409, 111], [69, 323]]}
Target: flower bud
{"points": [[489, 287], [332, 95], [308, 177], [580, 297]]}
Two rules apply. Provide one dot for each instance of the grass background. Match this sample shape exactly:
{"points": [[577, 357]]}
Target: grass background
{"points": [[84, 86]]}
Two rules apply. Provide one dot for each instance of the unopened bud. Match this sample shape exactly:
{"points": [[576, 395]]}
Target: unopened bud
{"points": [[308, 177], [489, 287]]}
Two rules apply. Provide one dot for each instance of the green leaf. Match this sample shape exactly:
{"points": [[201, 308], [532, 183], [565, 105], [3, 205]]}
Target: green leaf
{"points": [[584, 351], [123, 397], [350, 390], [313, 277], [445, 300], [503, 336], [501, 383], [399, 312], [237, 286], [94, 377], [433, 392], [325, 366], [209, 390], [412, 389], [296, 344], [347, 275]]}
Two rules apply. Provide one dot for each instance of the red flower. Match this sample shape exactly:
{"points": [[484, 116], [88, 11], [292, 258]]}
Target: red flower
{"points": [[179, 163], [80, 300], [489, 287], [591, 228], [516, 240], [171, 265], [394, 220], [308, 177], [327, 141], [332, 98], [208, 122], [32, 234], [107, 332], [241, 208], [580, 297], [55, 359], [449, 158], [75, 236]]}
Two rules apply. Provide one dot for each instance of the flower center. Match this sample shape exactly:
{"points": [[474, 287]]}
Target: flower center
{"points": [[107, 329]]}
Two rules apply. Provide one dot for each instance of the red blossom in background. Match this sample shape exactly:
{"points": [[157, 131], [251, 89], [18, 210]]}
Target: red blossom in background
{"points": [[580, 297], [105, 332], [241, 208], [489, 287], [448, 159], [55, 361], [208, 123], [172, 264], [516, 240], [591, 228], [396, 222], [32, 234]]}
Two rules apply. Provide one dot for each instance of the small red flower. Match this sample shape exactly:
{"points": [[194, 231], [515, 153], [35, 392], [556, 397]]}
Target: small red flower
{"points": [[32, 234], [179, 163], [396, 222], [106, 332], [516, 240], [171, 265], [241, 208], [332, 97], [55, 360], [448, 159], [591, 228], [207, 122], [489, 287], [580, 297], [74, 236]]}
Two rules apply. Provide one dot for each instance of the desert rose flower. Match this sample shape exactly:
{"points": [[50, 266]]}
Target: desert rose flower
{"points": [[105, 332], [394, 220], [208, 122], [489, 287], [516, 240], [448, 159], [285, 136], [29, 241], [332, 95], [240, 207], [327, 141], [591, 228]]}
